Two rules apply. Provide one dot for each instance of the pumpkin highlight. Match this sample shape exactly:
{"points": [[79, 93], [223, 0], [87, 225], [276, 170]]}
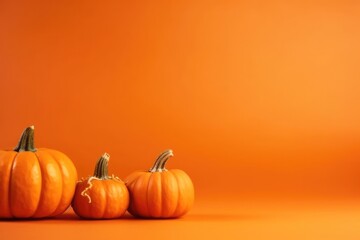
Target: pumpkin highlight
{"points": [[160, 193], [35, 183], [101, 196]]}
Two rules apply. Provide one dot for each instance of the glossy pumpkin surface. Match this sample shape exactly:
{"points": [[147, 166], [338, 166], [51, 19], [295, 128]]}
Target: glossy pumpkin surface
{"points": [[160, 193], [101, 196], [35, 183]]}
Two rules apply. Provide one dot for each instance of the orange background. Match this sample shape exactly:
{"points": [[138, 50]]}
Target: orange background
{"points": [[259, 101]]}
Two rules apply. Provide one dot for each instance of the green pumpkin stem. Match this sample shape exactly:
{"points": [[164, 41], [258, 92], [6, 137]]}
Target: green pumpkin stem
{"points": [[26, 142], [101, 168], [159, 165]]}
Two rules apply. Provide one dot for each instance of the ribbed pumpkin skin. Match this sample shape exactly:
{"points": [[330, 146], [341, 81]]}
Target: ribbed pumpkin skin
{"points": [[35, 184], [101, 196], [167, 194], [109, 199]]}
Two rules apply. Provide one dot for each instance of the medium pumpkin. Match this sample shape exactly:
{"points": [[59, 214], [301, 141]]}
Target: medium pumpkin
{"points": [[101, 196], [35, 183], [160, 193]]}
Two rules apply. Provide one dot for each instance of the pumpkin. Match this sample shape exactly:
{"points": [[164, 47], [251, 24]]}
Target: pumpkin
{"points": [[101, 196], [160, 193], [35, 183]]}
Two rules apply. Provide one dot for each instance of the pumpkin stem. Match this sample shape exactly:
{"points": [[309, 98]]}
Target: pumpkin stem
{"points": [[101, 168], [26, 142], [159, 165]]}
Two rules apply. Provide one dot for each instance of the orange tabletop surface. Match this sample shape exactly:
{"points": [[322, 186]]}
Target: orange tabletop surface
{"points": [[226, 219]]}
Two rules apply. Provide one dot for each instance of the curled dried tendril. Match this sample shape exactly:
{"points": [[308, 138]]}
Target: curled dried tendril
{"points": [[84, 192]]}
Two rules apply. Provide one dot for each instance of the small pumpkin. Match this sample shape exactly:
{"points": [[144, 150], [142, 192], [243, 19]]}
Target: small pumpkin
{"points": [[101, 196], [35, 183], [160, 193]]}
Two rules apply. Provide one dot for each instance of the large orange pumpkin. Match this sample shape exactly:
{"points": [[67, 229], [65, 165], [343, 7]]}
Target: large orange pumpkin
{"points": [[101, 196], [160, 193], [35, 183]]}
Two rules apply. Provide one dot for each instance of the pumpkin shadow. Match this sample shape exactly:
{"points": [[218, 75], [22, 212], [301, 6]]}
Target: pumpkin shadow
{"points": [[71, 216], [199, 217], [67, 216], [203, 217]]}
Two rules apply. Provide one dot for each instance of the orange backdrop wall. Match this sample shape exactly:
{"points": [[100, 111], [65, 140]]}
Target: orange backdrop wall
{"points": [[255, 99]]}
